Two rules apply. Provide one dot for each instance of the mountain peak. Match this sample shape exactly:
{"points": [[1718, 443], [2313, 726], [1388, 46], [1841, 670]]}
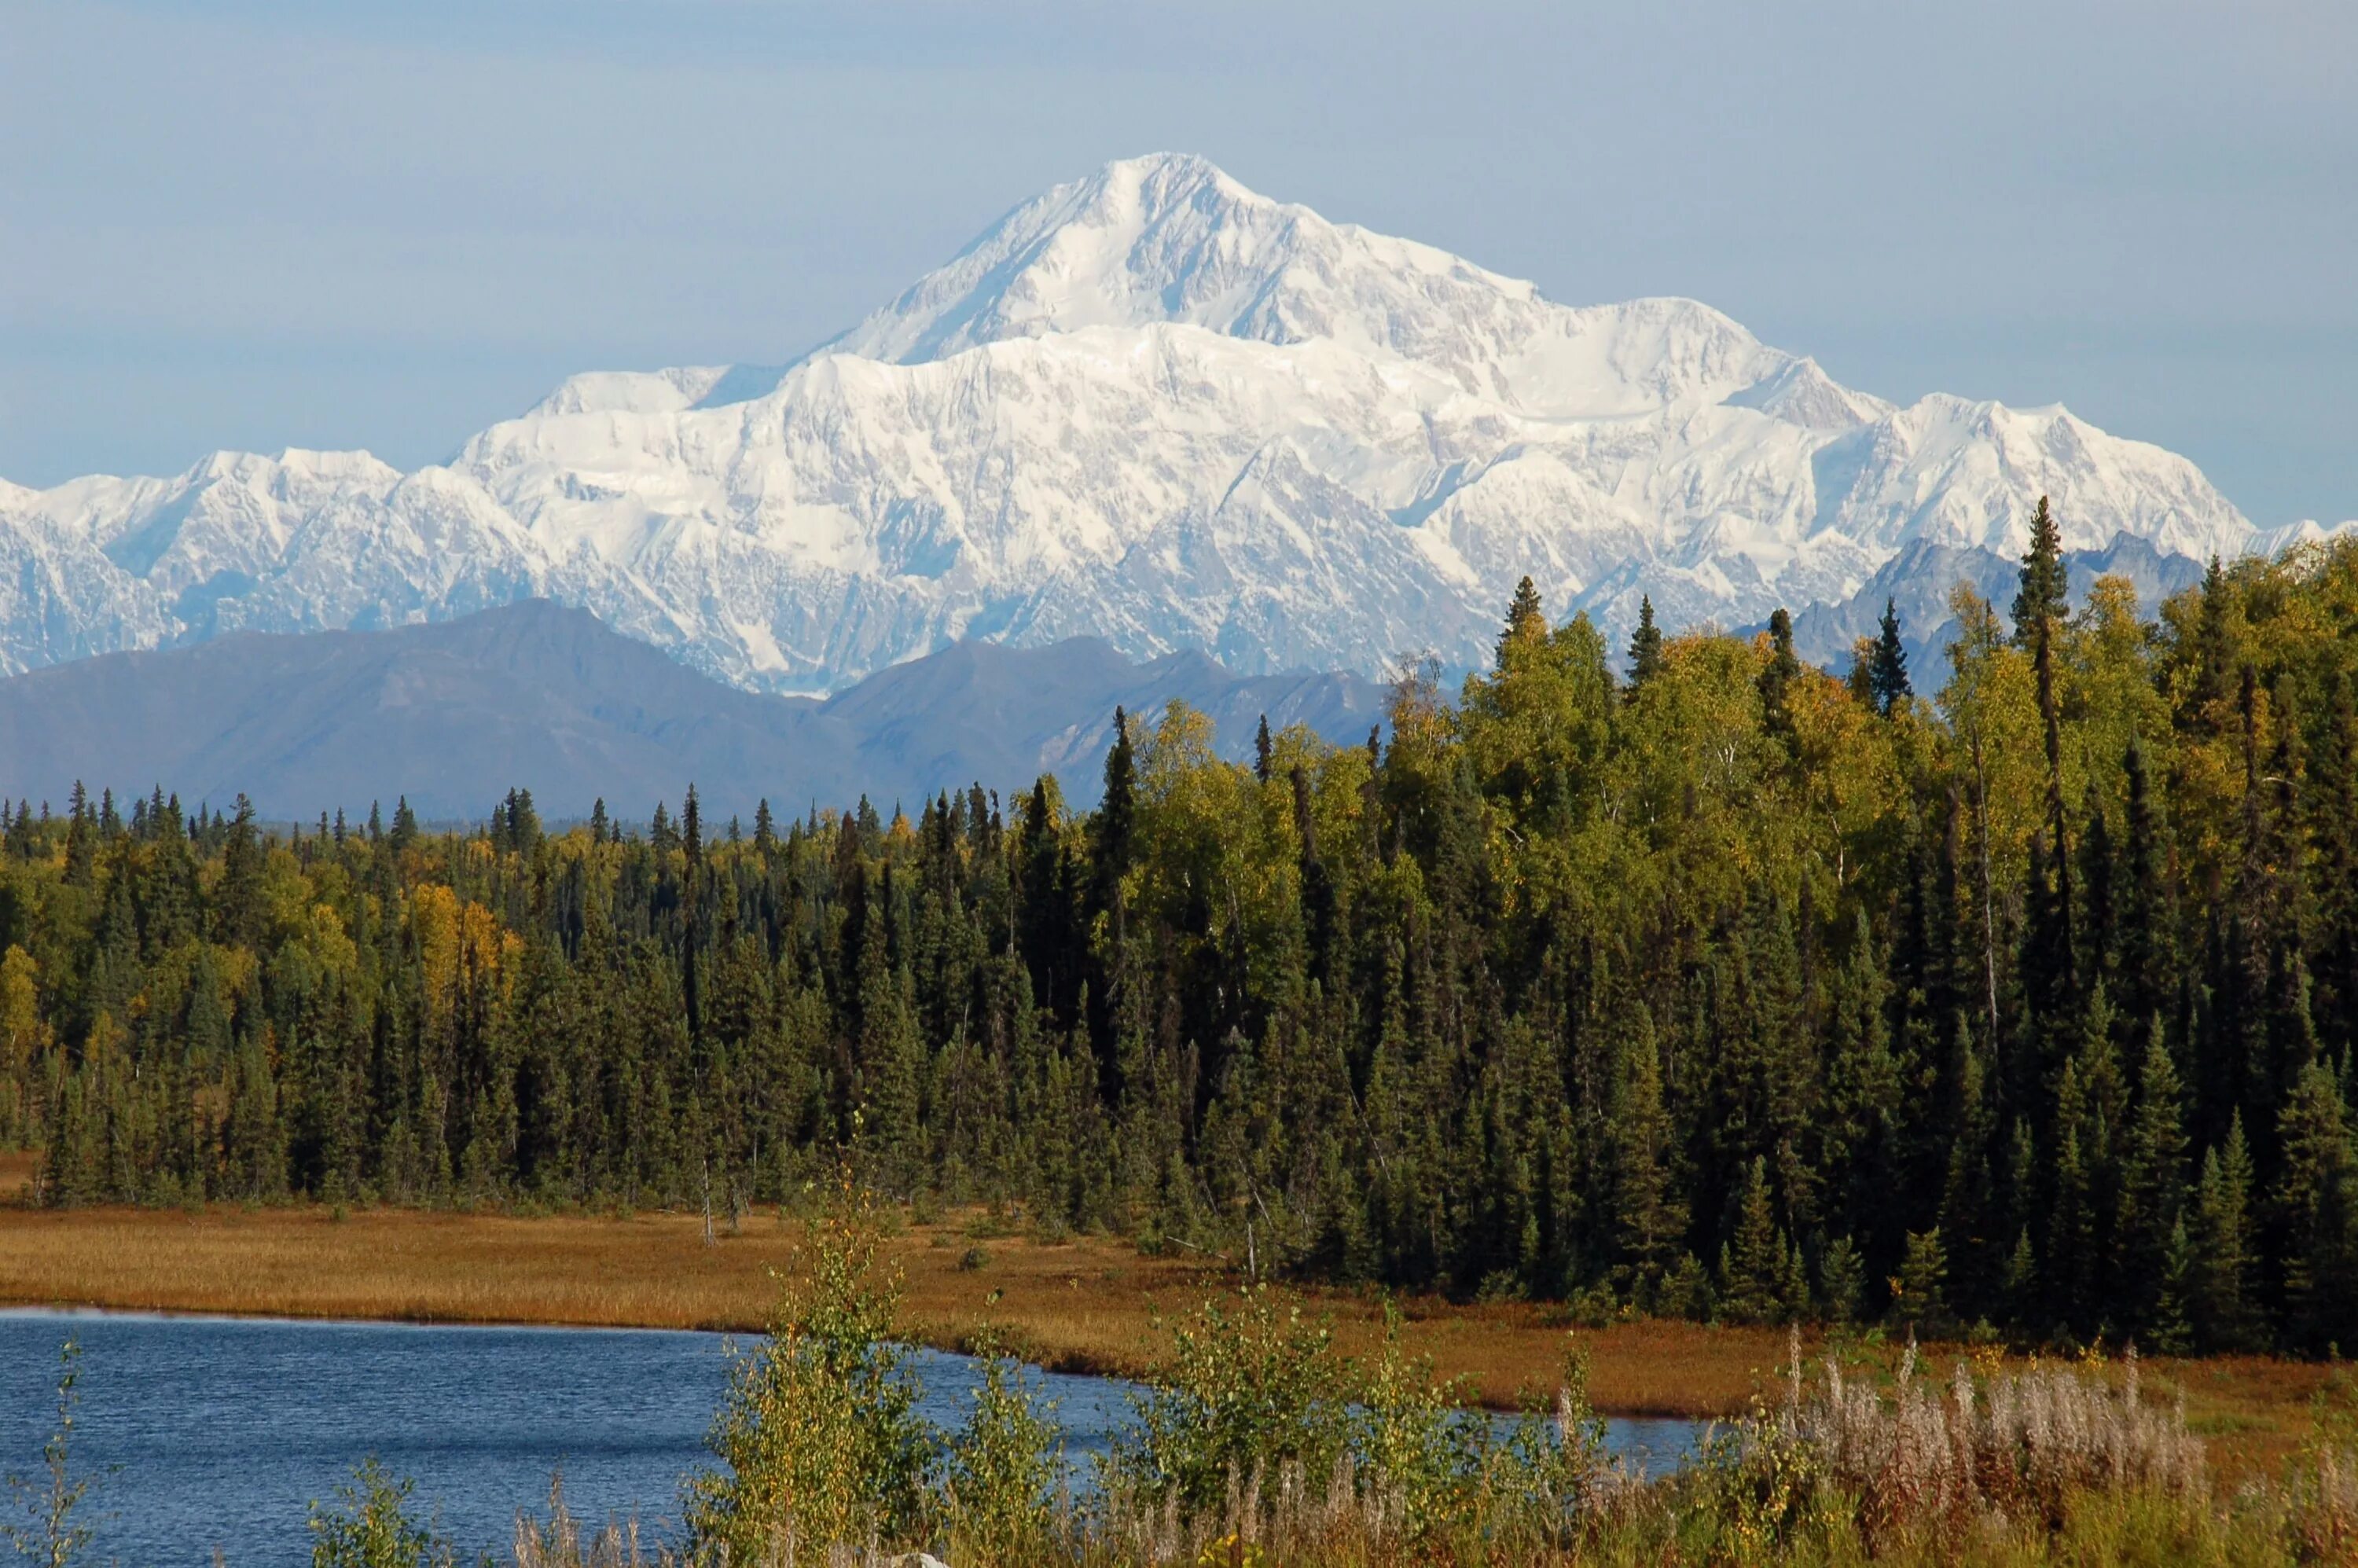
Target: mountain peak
{"points": [[1166, 237], [1149, 405], [1171, 239], [1155, 181]]}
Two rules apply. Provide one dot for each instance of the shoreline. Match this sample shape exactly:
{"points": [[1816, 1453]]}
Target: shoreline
{"points": [[1087, 1305]]}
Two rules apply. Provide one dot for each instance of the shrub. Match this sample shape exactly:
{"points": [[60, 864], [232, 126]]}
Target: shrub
{"points": [[1417, 1447], [370, 1527], [1543, 1483], [819, 1431], [1248, 1387], [1003, 1466]]}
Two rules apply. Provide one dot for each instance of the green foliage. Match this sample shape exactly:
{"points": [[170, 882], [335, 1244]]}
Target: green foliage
{"points": [[1922, 1297], [1560, 988], [1004, 1469], [818, 1437], [1247, 1385], [1415, 1443], [370, 1527], [1886, 667]]}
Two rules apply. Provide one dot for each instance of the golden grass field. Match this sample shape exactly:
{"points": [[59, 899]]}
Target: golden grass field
{"points": [[1087, 1304]]}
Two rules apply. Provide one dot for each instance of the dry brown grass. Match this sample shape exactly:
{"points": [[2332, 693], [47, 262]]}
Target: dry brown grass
{"points": [[1084, 1306]]}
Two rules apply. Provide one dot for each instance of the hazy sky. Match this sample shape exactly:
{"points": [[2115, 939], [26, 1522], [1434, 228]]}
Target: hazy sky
{"points": [[252, 223]]}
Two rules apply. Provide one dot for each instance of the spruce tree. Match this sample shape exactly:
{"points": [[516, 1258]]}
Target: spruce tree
{"points": [[2316, 1204], [2153, 1193], [1526, 622], [240, 902], [2331, 785], [1648, 1219], [1783, 669], [2040, 602], [1887, 665], [1645, 648], [2147, 918], [1923, 1298], [2219, 1289], [1113, 830], [1752, 1266]]}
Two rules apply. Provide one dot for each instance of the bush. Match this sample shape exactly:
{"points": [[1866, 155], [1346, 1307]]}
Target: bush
{"points": [[1248, 1387], [1417, 1447], [818, 1432], [372, 1528], [1004, 1466]]}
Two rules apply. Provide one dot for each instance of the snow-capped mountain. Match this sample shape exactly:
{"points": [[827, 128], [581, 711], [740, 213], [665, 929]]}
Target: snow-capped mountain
{"points": [[1151, 406]]}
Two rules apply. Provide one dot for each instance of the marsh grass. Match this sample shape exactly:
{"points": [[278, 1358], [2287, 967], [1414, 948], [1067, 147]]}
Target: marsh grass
{"points": [[1256, 1441], [1087, 1304]]}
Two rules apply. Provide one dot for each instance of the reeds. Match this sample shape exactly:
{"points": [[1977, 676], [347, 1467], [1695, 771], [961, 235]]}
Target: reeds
{"points": [[562, 1541], [2019, 1448]]}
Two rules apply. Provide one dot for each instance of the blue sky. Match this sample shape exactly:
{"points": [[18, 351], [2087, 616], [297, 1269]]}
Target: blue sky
{"points": [[256, 224]]}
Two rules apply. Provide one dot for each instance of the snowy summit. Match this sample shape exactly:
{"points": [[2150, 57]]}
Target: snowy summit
{"points": [[1151, 406]]}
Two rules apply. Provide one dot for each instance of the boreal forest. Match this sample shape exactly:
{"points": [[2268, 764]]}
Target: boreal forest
{"points": [[2014, 996]]}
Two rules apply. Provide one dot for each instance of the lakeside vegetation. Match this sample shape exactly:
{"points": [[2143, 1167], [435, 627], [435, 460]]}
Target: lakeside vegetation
{"points": [[1256, 1441], [1076, 1304], [1692, 983]]}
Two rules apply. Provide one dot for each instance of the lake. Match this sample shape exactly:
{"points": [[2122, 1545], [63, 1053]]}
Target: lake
{"points": [[224, 1429]]}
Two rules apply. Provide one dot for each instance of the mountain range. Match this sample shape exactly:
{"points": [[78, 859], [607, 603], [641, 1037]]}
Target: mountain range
{"points": [[1150, 406], [453, 714]]}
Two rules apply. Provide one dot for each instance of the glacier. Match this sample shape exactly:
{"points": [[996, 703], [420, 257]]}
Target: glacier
{"points": [[1152, 406]]}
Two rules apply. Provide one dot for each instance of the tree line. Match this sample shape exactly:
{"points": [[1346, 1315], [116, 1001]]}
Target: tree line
{"points": [[1685, 979]]}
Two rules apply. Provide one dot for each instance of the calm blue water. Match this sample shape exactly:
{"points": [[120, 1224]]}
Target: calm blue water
{"points": [[226, 1428]]}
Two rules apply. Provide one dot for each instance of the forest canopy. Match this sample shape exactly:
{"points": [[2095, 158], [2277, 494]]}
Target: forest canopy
{"points": [[1682, 978]]}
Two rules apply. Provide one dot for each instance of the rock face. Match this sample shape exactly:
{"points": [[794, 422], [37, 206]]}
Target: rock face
{"points": [[455, 714], [1150, 407]]}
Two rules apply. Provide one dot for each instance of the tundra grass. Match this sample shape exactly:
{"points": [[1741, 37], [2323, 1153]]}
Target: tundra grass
{"points": [[1088, 1304]]}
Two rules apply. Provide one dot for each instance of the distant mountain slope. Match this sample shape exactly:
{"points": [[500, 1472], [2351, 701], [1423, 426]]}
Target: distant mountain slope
{"points": [[1153, 406], [1917, 581], [454, 714]]}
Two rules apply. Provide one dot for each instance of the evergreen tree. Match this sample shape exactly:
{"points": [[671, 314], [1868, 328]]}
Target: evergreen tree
{"points": [[2331, 784], [2153, 1195], [1923, 1298], [2039, 604], [1645, 648], [2316, 1204], [1114, 831], [1783, 669], [2219, 1286], [1887, 665], [1752, 1265], [1649, 1220], [241, 899], [1526, 622], [2147, 919]]}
